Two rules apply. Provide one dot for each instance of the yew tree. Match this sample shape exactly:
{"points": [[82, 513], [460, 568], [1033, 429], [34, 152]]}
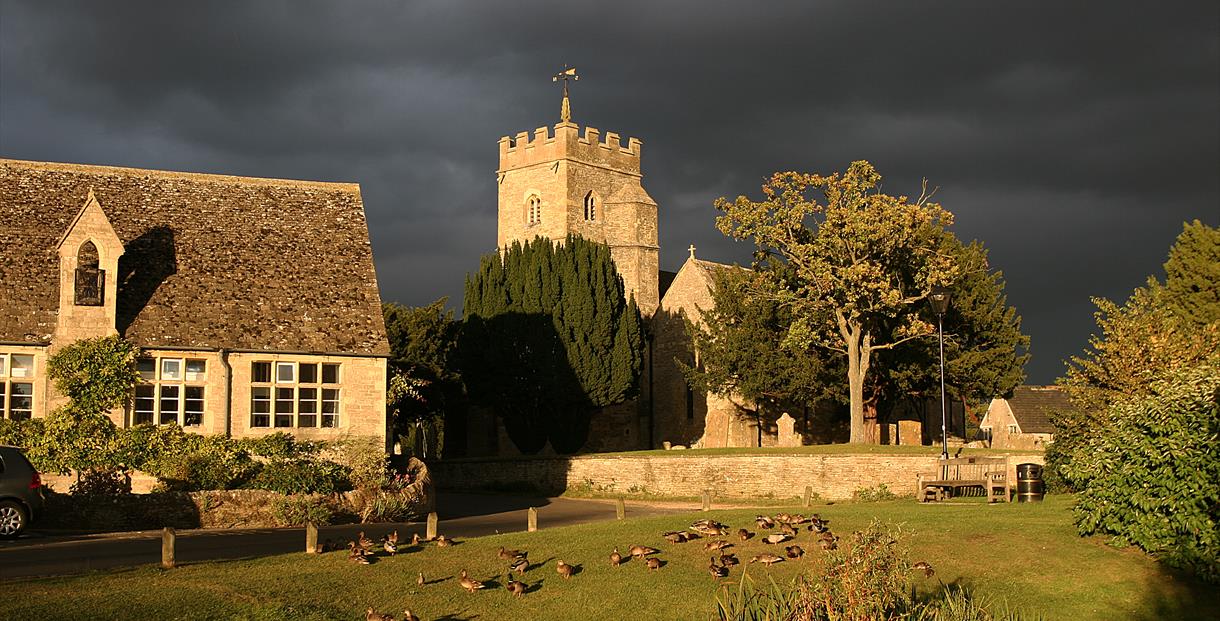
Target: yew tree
{"points": [[858, 264]]}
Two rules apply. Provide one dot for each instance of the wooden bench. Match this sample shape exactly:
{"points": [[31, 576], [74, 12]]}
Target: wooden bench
{"points": [[955, 474]]}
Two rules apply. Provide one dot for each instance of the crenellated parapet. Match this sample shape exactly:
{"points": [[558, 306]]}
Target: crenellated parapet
{"points": [[566, 143]]}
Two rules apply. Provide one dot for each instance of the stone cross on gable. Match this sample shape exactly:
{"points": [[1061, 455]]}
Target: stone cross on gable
{"points": [[568, 73], [692, 251]]}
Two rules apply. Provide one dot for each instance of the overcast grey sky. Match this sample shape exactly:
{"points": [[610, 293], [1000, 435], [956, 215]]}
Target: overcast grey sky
{"points": [[1073, 140]]}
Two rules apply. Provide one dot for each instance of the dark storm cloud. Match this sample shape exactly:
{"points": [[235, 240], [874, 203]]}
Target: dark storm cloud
{"points": [[1072, 140]]}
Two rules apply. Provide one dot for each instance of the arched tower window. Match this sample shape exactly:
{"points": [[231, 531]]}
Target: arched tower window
{"points": [[90, 279], [534, 207], [590, 207]]}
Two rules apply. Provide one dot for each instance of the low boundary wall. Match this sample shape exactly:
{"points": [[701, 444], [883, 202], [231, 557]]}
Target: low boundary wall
{"points": [[833, 477]]}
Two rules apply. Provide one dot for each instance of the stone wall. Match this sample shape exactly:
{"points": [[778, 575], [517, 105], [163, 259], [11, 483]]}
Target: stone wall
{"points": [[778, 475]]}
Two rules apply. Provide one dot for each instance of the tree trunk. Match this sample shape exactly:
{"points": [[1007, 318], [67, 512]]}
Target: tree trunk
{"points": [[855, 390]]}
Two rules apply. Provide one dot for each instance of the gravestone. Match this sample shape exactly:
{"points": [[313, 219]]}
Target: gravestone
{"points": [[786, 434]]}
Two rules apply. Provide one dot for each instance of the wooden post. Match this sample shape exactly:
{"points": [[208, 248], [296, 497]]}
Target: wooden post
{"points": [[808, 495], [311, 538], [531, 519], [707, 500], [432, 520], [168, 539], [620, 509]]}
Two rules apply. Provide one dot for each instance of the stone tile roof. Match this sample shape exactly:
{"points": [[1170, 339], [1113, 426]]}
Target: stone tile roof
{"points": [[1032, 406], [211, 261]]}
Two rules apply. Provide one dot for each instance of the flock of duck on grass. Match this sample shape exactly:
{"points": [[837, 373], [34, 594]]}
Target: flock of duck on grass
{"points": [[788, 525]]}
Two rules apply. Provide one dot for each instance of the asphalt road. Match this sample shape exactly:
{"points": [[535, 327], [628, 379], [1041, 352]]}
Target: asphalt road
{"points": [[461, 515]]}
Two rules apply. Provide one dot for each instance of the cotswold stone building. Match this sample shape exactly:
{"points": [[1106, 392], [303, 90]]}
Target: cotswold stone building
{"points": [[1023, 421], [254, 301]]}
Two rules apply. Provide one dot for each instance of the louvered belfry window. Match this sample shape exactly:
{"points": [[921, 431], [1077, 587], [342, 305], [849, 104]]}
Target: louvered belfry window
{"points": [[90, 280]]}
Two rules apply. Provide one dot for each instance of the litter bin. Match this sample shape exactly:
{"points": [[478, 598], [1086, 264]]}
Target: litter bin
{"points": [[1030, 487]]}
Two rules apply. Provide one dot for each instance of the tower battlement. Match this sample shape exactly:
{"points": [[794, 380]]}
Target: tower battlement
{"points": [[566, 143]]}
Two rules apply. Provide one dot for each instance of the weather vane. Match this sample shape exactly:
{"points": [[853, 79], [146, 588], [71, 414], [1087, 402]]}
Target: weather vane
{"points": [[568, 73]]}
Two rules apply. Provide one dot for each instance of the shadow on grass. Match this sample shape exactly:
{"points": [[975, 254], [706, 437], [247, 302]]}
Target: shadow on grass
{"points": [[1175, 594]]}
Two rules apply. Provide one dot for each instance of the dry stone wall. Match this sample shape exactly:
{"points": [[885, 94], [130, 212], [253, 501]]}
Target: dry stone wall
{"points": [[833, 477]]}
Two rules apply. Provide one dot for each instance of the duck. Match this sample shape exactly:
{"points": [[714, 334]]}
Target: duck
{"points": [[393, 537], [563, 569], [640, 552], [718, 544], [653, 563], [744, 534], [828, 543], [674, 536], [420, 580], [783, 518], [415, 539], [925, 567], [364, 542], [390, 547], [519, 565], [443, 541], [728, 560], [515, 587], [356, 554], [794, 551], [373, 615], [616, 559], [407, 616], [767, 559], [787, 529], [776, 538], [507, 554], [764, 522], [470, 584], [717, 571]]}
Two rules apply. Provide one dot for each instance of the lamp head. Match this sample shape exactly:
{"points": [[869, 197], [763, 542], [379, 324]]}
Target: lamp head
{"points": [[939, 298]]}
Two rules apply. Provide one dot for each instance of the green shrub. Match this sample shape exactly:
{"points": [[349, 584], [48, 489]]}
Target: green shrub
{"points": [[279, 445], [1151, 474], [100, 482], [299, 510], [366, 461], [873, 494], [206, 463], [300, 476], [96, 374]]}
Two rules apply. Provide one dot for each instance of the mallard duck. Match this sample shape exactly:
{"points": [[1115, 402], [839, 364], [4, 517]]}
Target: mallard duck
{"points": [[564, 569], [674, 536], [519, 565], [514, 587], [415, 539], [925, 567], [616, 559], [642, 551], [507, 554], [764, 522], [653, 562], [364, 542], [828, 543], [797, 519], [390, 547], [393, 537], [776, 538], [783, 518], [468, 583], [728, 560], [767, 559], [717, 571], [443, 541], [373, 615], [717, 544], [407, 616], [794, 551], [420, 580], [356, 554], [744, 534], [787, 529]]}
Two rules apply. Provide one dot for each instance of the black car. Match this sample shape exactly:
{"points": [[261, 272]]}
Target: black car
{"points": [[20, 492]]}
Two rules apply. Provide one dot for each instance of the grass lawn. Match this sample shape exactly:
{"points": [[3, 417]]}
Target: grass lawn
{"points": [[1026, 555]]}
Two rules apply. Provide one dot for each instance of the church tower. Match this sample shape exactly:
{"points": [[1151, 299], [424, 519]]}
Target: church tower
{"points": [[561, 182]]}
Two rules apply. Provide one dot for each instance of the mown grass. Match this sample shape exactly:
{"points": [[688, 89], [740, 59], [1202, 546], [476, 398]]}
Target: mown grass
{"points": [[1025, 556]]}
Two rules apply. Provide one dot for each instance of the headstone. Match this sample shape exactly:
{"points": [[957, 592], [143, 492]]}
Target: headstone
{"points": [[311, 538], [432, 524], [910, 433], [531, 520], [786, 434]]}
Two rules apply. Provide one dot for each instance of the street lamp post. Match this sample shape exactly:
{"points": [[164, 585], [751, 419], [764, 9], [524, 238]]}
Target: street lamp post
{"points": [[940, 303]]}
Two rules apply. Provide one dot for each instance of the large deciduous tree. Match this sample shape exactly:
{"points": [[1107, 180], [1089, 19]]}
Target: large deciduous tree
{"points": [[858, 264], [548, 338], [424, 387]]}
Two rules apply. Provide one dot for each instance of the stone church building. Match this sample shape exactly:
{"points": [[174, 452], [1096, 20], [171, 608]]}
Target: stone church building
{"points": [[562, 179], [254, 301]]}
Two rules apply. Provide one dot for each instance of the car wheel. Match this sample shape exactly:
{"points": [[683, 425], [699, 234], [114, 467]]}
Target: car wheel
{"points": [[12, 519]]}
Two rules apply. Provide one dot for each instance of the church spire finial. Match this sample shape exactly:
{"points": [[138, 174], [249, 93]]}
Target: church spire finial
{"points": [[568, 73], [692, 251]]}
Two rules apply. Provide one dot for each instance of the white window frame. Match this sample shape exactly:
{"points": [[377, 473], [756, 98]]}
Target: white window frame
{"points": [[183, 382], [9, 381], [325, 403]]}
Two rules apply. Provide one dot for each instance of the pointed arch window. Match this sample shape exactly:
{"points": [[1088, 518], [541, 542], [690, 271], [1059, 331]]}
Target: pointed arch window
{"points": [[90, 280], [590, 207], [534, 207]]}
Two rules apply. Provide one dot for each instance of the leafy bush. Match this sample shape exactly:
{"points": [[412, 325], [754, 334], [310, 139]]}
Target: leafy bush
{"points": [[279, 445], [1151, 474], [96, 374], [300, 476], [873, 494], [100, 482], [299, 510], [367, 463], [204, 463]]}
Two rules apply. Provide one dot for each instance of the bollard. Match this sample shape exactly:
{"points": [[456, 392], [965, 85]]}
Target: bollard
{"points": [[620, 509], [707, 500], [311, 538], [808, 495], [168, 538], [531, 518], [432, 519]]}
